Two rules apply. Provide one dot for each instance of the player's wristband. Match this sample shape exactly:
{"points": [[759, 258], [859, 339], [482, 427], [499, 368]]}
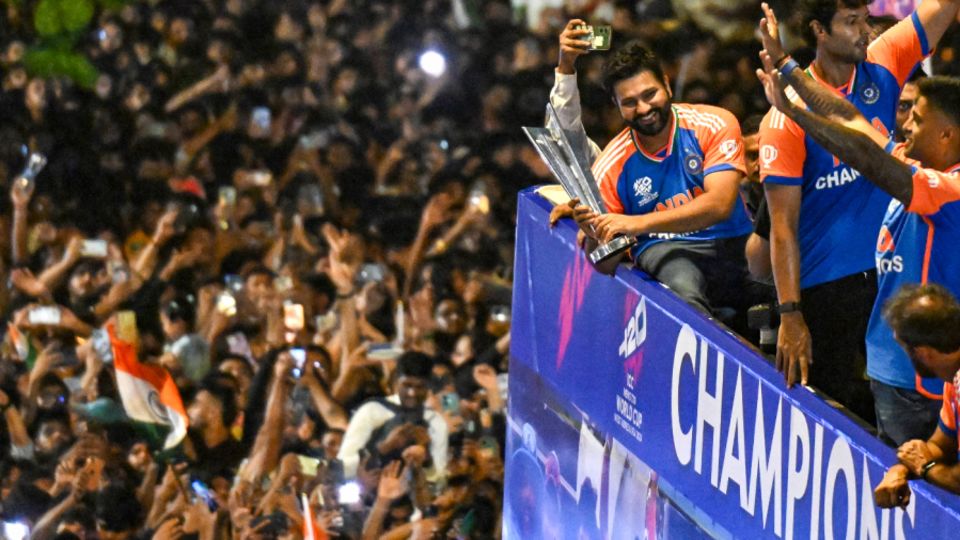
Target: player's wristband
{"points": [[788, 66], [788, 307], [781, 60], [926, 468]]}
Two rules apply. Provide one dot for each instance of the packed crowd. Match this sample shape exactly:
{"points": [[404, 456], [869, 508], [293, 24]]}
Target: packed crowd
{"points": [[260, 286], [265, 268]]}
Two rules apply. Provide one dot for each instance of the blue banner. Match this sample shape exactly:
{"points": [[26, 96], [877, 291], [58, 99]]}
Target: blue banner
{"points": [[632, 415]]}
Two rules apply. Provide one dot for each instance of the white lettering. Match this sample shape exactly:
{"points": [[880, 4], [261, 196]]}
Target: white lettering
{"points": [[840, 461], [894, 264], [709, 409], [837, 178], [635, 333], [899, 512], [868, 516], [767, 467], [734, 459], [686, 350], [797, 478], [817, 473]]}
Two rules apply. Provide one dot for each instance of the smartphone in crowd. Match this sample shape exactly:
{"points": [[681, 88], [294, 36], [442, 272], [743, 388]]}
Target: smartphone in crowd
{"points": [[293, 316], [95, 248], [299, 355], [15, 530], [383, 352], [260, 177], [600, 36], [372, 272], [308, 465], [45, 315], [28, 176], [450, 402], [204, 493], [260, 119], [227, 303], [348, 493]]}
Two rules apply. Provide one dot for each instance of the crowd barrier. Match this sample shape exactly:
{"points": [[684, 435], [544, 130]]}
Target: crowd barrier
{"points": [[634, 416]]}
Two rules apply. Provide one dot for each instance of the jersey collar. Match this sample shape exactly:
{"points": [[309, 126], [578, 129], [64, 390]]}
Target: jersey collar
{"points": [[953, 169], [842, 90], [661, 153]]}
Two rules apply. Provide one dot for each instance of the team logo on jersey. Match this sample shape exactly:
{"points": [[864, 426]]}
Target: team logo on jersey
{"points": [[932, 179], [643, 190], [693, 163], [729, 148], [870, 94], [768, 153], [885, 240]]}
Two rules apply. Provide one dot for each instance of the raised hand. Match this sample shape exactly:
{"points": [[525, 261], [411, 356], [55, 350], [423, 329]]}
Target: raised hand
{"points": [[770, 33], [572, 46], [773, 85], [392, 485]]}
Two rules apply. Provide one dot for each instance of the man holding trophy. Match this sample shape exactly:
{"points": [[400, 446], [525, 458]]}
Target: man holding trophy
{"points": [[669, 180]]}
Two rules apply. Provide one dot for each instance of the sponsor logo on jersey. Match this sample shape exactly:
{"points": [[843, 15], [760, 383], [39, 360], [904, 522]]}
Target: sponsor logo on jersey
{"points": [[837, 178], [729, 148], [887, 265], [768, 154], [885, 240]]}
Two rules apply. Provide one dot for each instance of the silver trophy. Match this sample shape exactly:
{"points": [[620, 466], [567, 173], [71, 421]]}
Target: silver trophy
{"points": [[565, 151]]}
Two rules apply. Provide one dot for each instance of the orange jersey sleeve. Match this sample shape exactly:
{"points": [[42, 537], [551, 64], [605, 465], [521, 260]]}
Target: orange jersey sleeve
{"points": [[606, 170], [719, 135], [900, 48], [933, 189], [782, 149]]}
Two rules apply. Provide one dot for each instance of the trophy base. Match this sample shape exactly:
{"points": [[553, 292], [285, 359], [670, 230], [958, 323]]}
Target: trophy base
{"points": [[611, 248]]}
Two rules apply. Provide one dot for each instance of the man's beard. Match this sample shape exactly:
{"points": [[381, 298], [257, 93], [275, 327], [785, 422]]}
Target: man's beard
{"points": [[662, 117]]}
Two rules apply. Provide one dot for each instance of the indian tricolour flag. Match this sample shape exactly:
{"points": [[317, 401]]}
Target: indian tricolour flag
{"points": [[148, 392], [23, 344]]}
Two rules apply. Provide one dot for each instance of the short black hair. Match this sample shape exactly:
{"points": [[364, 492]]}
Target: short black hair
{"points": [[117, 509], [629, 61], [943, 94], [180, 308], [224, 394], [751, 124], [822, 11], [925, 315], [414, 364]]}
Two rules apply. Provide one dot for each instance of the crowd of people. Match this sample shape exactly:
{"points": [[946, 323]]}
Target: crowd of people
{"points": [[305, 240], [298, 216]]}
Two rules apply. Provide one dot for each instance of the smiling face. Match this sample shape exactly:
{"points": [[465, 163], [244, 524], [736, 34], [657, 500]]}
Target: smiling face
{"points": [[644, 103], [922, 132], [848, 35]]}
